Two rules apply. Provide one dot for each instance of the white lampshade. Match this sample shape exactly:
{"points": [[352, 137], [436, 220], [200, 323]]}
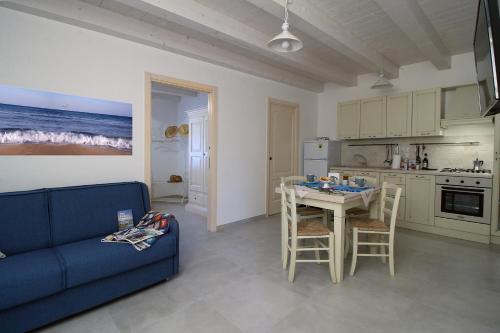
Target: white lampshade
{"points": [[382, 82], [285, 41]]}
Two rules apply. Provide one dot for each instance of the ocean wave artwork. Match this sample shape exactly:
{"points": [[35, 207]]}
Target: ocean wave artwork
{"points": [[43, 123]]}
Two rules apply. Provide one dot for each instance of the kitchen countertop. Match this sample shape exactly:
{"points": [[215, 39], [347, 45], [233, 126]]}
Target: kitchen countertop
{"points": [[416, 172]]}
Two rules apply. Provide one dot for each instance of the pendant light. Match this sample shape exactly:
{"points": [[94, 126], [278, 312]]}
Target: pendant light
{"points": [[285, 41], [382, 82]]}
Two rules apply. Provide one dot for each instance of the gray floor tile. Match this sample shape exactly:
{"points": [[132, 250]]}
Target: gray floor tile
{"points": [[232, 281]]}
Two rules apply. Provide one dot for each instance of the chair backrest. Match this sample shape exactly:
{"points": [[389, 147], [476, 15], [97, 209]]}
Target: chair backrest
{"points": [[292, 180], [387, 197], [289, 208]]}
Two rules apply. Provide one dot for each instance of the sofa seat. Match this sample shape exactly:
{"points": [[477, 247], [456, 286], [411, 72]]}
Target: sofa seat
{"points": [[29, 276], [90, 260]]}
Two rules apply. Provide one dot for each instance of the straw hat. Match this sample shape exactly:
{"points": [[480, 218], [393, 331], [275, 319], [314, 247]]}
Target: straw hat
{"points": [[171, 131], [183, 130]]}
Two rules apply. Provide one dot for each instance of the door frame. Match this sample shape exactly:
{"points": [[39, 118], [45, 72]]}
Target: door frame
{"points": [[212, 124], [295, 147]]}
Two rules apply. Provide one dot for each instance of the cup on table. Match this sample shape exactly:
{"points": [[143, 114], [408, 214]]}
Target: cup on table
{"points": [[361, 182], [311, 178]]}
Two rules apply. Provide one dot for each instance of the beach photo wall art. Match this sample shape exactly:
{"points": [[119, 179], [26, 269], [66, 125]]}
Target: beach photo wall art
{"points": [[36, 122]]}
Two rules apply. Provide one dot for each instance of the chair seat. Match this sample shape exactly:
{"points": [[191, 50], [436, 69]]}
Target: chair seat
{"points": [[308, 211], [357, 211], [90, 260], [312, 228], [367, 224]]}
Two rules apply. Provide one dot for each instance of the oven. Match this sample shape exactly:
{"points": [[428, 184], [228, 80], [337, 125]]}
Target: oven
{"points": [[464, 198]]}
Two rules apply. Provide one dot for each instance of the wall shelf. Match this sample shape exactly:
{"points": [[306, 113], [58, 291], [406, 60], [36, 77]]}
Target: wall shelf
{"points": [[469, 143]]}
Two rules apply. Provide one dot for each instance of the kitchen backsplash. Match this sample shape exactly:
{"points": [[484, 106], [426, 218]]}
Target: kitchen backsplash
{"points": [[440, 156]]}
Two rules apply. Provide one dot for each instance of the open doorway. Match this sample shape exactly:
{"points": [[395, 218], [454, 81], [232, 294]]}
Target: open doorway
{"points": [[180, 166]]}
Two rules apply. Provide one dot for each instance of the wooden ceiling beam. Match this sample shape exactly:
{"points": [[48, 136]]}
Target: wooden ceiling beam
{"points": [[312, 21], [195, 16], [411, 19], [100, 20]]}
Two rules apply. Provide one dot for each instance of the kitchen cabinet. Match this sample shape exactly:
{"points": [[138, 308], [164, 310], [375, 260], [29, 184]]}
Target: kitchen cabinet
{"points": [[399, 108], [398, 179], [420, 195], [461, 103], [426, 112], [348, 118], [373, 118], [368, 174]]}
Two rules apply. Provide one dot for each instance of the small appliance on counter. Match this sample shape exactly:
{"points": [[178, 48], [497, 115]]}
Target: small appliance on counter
{"points": [[396, 159], [319, 155], [477, 165]]}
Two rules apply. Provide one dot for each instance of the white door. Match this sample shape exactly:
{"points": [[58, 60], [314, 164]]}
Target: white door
{"points": [[316, 167], [282, 148], [196, 155], [206, 154]]}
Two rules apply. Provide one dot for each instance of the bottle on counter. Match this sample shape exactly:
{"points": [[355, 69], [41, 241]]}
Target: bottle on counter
{"points": [[425, 162]]}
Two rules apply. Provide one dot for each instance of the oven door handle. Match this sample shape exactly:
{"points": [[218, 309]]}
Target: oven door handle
{"points": [[462, 190]]}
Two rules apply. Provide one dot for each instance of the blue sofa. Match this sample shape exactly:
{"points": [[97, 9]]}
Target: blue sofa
{"points": [[56, 264]]}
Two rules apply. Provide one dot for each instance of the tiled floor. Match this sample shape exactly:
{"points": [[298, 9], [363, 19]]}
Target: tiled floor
{"points": [[231, 281]]}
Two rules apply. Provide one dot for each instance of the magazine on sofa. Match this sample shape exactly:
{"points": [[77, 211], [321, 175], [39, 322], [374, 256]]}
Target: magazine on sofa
{"points": [[134, 236], [152, 226]]}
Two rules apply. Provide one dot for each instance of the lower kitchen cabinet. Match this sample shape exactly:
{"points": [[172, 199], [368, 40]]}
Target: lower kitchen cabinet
{"points": [[369, 174], [420, 195], [399, 180]]}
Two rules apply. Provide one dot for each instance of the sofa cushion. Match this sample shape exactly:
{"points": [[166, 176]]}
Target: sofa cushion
{"points": [[29, 276], [24, 221], [85, 212], [91, 259]]}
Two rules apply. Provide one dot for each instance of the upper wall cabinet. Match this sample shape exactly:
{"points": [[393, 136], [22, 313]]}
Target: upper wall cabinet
{"points": [[373, 118], [426, 113], [348, 116], [399, 109], [461, 103]]}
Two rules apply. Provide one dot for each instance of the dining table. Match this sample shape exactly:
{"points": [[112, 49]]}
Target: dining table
{"points": [[337, 202]]}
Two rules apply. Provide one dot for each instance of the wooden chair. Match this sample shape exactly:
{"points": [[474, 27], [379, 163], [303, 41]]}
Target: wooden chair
{"points": [[304, 212], [356, 212], [313, 230], [378, 227]]}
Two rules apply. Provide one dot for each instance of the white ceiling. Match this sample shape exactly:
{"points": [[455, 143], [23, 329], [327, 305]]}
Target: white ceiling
{"points": [[342, 38]]}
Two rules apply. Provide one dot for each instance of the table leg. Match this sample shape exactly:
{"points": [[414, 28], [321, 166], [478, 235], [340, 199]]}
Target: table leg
{"points": [[374, 209], [374, 214], [339, 231], [284, 233]]}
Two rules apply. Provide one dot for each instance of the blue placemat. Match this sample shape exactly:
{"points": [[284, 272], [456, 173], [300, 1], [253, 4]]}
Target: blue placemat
{"points": [[343, 188], [346, 188]]}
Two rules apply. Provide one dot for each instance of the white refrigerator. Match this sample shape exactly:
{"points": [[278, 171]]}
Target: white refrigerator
{"points": [[320, 155]]}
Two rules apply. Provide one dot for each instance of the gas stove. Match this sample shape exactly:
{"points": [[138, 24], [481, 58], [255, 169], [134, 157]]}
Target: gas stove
{"points": [[458, 170]]}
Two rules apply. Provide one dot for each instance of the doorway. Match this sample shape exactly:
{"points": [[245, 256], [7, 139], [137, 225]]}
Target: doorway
{"points": [[174, 111], [282, 129]]}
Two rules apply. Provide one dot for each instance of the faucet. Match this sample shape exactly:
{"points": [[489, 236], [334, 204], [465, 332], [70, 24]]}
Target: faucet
{"points": [[364, 161]]}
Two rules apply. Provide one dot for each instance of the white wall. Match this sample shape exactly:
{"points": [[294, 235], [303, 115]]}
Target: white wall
{"points": [[42, 54], [412, 77]]}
